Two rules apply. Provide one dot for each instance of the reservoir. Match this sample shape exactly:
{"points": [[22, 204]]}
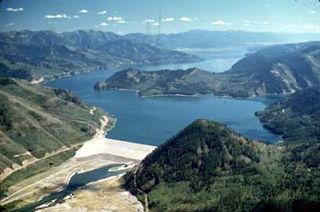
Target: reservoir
{"points": [[153, 120]]}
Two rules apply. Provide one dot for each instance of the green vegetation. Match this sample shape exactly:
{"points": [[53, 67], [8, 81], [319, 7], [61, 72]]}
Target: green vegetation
{"points": [[35, 121], [208, 167], [165, 82], [278, 69], [35, 168], [296, 117]]}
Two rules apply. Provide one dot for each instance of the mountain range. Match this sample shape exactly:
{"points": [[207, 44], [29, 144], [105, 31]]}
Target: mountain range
{"points": [[205, 167], [32, 55], [218, 39], [279, 69], [35, 54]]}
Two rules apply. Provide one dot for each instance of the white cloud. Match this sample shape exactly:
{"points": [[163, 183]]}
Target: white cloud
{"points": [[312, 26], [103, 12], [104, 24], [218, 22], [167, 20], [247, 23], [121, 22], [84, 11], [149, 21], [57, 16], [185, 19], [155, 24], [9, 24], [75, 16], [10, 9], [265, 22], [221, 23], [291, 26], [115, 18], [312, 12]]}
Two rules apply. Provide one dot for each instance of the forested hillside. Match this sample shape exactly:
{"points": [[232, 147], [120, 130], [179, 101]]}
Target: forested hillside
{"points": [[296, 117], [208, 167]]}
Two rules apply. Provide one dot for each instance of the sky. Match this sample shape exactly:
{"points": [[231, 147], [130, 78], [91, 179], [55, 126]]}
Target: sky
{"points": [[161, 16]]}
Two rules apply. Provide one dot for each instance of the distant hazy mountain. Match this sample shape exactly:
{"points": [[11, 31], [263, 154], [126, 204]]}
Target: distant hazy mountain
{"points": [[218, 39], [280, 69], [35, 121], [48, 54], [297, 117], [208, 167]]}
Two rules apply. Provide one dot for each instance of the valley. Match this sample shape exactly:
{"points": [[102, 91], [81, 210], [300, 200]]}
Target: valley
{"points": [[159, 106], [31, 55], [240, 163]]}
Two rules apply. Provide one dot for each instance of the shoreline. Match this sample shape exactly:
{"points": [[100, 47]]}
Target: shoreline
{"points": [[97, 151], [99, 144], [45, 79], [197, 95], [16, 167]]}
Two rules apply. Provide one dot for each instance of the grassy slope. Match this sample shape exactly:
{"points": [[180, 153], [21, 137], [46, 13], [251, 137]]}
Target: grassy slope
{"points": [[232, 174], [40, 121]]}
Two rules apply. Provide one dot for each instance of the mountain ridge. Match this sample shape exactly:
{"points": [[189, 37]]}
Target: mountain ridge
{"points": [[49, 54], [208, 167], [280, 69]]}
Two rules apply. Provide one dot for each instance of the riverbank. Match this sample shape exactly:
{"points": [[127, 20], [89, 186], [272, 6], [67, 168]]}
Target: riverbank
{"points": [[104, 195]]}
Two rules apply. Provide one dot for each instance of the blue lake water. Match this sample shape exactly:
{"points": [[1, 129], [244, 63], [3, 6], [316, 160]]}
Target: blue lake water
{"points": [[153, 120], [215, 60]]}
